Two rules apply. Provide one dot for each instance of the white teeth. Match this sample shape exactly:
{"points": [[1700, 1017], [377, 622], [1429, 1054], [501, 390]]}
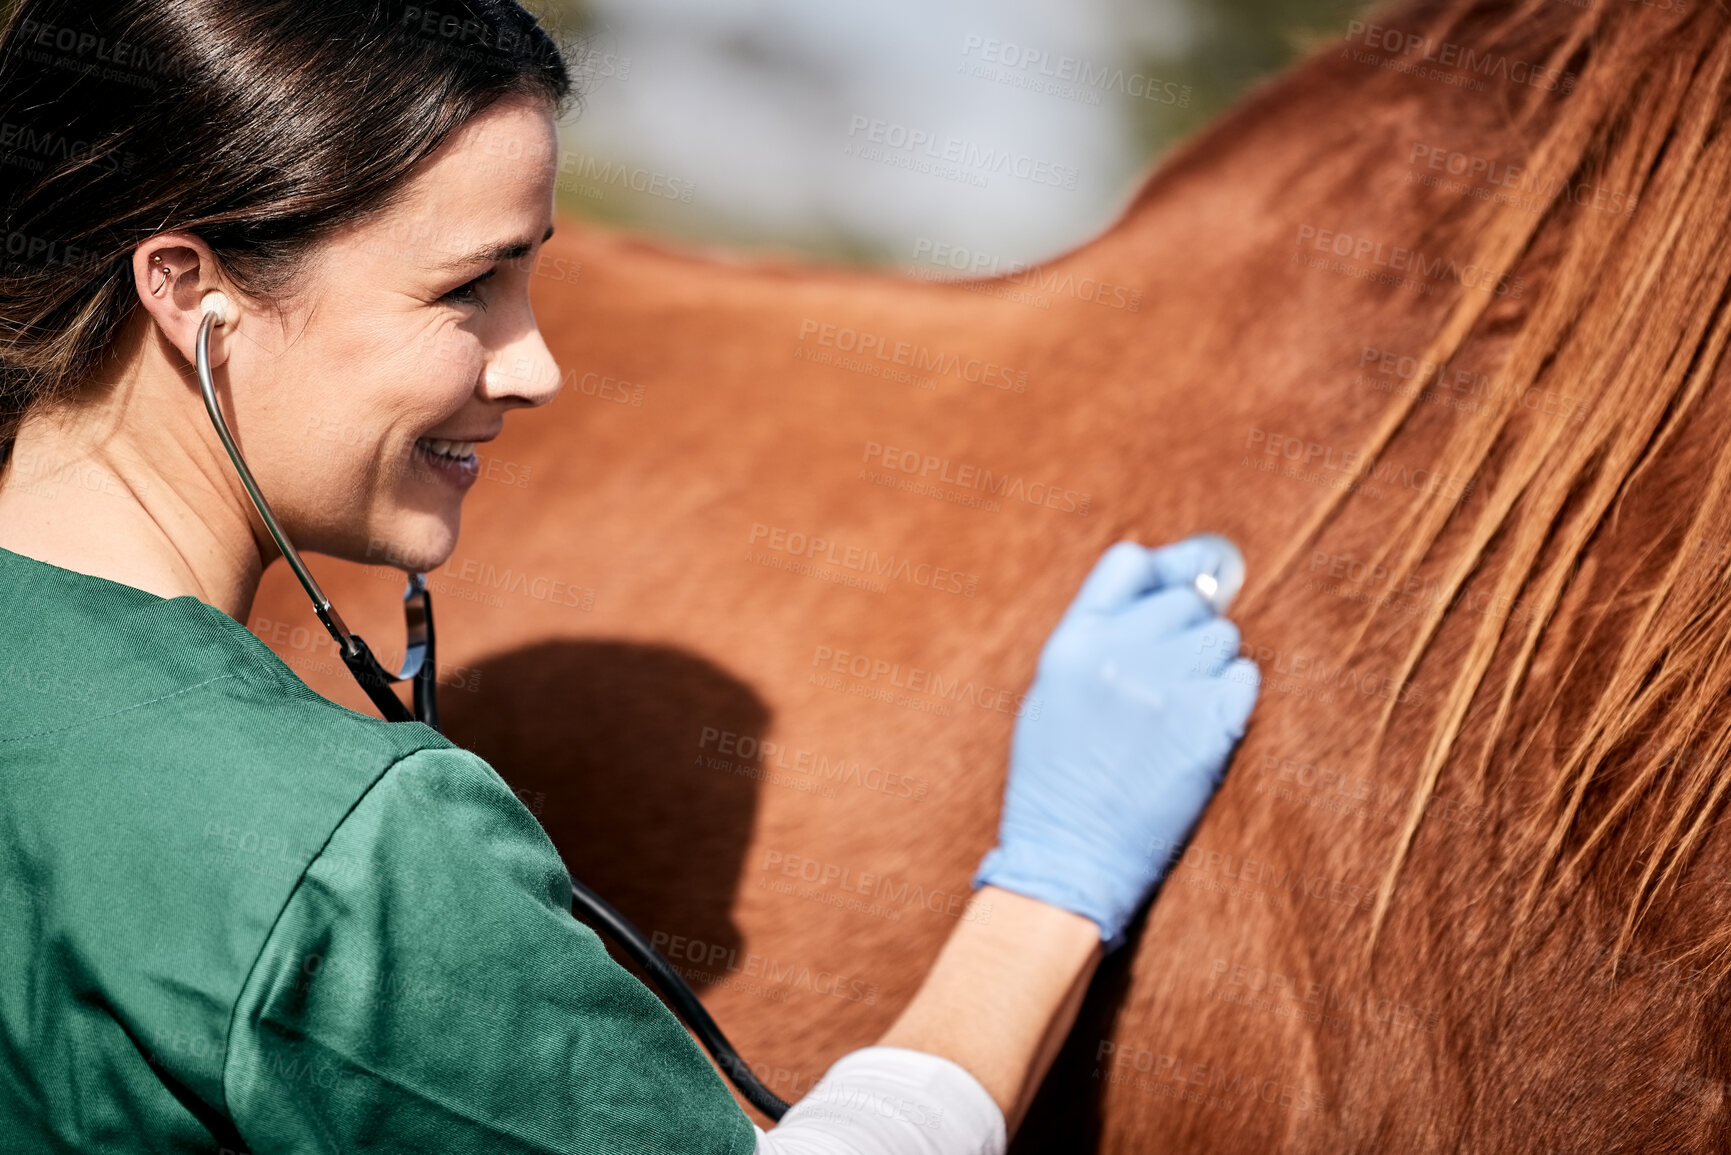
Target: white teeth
{"points": [[455, 450]]}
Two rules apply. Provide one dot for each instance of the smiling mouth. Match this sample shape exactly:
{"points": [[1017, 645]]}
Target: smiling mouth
{"points": [[460, 452], [452, 462]]}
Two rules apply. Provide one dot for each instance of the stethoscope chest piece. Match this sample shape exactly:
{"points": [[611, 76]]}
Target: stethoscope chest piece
{"points": [[1221, 584]]}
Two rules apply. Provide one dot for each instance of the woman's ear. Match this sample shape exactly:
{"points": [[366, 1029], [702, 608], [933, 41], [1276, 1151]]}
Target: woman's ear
{"points": [[171, 274]]}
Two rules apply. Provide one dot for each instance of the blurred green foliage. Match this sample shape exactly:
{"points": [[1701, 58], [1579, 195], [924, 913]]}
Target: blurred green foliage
{"points": [[1238, 43]]}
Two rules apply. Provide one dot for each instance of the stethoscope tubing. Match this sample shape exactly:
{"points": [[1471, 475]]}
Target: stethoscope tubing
{"points": [[418, 659], [420, 665]]}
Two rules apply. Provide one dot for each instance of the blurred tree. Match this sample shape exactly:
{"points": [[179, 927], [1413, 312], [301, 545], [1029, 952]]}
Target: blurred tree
{"points": [[1236, 44]]}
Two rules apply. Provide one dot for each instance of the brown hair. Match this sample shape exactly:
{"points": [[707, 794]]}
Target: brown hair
{"points": [[1642, 767], [262, 126]]}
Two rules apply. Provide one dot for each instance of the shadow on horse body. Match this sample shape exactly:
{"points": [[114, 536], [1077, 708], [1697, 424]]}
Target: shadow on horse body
{"points": [[1430, 326]]}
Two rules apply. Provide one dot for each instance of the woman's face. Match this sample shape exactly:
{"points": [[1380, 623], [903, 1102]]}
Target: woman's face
{"points": [[402, 349]]}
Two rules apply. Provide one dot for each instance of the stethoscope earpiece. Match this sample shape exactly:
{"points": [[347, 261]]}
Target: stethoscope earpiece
{"points": [[216, 302]]}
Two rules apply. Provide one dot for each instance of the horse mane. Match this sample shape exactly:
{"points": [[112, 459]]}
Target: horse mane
{"points": [[1632, 314]]}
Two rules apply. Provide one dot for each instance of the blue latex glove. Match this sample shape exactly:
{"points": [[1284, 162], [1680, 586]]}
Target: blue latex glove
{"points": [[1141, 698]]}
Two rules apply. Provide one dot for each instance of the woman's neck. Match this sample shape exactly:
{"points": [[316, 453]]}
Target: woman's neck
{"points": [[98, 494]]}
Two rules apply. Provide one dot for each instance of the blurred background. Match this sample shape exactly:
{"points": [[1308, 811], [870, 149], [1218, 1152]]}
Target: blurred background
{"points": [[938, 136]]}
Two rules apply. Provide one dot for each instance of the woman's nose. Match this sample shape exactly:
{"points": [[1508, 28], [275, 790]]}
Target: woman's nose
{"points": [[524, 370]]}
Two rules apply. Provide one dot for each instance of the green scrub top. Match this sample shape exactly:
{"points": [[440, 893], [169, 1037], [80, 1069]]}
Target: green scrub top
{"points": [[237, 916]]}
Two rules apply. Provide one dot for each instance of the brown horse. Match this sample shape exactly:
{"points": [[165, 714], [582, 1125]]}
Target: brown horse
{"points": [[1432, 327]]}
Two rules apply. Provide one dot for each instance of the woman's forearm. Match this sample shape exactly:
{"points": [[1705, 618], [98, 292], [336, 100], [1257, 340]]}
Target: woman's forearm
{"points": [[1003, 994], [1143, 699]]}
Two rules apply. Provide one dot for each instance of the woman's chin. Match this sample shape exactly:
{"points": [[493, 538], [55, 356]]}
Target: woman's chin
{"points": [[417, 544]]}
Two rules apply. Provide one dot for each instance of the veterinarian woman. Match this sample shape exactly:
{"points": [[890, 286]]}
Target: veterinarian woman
{"points": [[235, 916]]}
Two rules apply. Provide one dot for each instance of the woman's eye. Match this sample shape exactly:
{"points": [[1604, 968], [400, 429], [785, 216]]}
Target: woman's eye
{"points": [[465, 293]]}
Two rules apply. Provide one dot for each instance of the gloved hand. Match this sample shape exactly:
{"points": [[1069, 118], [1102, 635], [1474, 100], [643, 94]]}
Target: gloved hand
{"points": [[1137, 703]]}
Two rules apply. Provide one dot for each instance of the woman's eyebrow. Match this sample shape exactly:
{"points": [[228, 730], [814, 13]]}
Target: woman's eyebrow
{"points": [[489, 253]]}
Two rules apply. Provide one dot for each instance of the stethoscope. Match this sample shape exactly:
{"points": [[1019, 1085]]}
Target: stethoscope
{"points": [[419, 667], [1218, 587]]}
